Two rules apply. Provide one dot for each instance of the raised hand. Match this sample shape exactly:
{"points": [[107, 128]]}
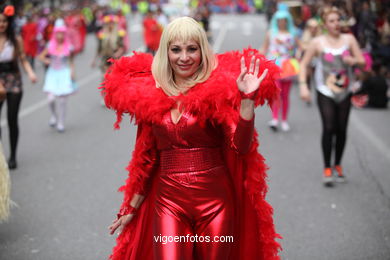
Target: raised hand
{"points": [[248, 81]]}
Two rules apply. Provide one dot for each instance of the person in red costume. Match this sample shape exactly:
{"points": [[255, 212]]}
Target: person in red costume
{"points": [[152, 32], [29, 34], [77, 30], [195, 170]]}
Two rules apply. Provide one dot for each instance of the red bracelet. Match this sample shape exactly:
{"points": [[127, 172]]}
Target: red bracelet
{"points": [[252, 95]]}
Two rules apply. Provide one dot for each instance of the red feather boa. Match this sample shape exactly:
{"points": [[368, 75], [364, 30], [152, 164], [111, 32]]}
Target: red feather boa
{"points": [[130, 88]]}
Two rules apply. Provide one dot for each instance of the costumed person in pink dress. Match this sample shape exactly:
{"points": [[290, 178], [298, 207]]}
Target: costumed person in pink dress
{"points": [[195, 171], [337, 53], [11, 52], [280, 44], [59, 78], [152, 32]]}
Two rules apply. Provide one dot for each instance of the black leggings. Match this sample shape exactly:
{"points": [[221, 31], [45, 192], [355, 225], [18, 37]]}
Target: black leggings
{"points": [[334, 118], [13, 105]]}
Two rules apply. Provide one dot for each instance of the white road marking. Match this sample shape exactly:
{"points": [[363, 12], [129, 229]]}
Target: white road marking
{"points": [[219, 40], [215, 25]]}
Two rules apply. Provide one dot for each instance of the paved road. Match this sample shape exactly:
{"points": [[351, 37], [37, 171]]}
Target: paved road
{"points": [[65, 186]]}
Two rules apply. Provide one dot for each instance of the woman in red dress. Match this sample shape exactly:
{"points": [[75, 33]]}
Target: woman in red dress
{"points": [[195, 174]]}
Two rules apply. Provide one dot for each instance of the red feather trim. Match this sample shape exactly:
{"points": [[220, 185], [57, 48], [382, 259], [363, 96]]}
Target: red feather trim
{"points": [[129, 87]]}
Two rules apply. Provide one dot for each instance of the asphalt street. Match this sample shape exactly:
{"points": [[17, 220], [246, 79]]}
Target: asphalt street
{"points": [[65, 186]]}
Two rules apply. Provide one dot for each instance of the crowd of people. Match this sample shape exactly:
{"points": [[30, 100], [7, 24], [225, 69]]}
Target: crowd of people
{"points": [[55, 38], [327, 47], [320, 52]]}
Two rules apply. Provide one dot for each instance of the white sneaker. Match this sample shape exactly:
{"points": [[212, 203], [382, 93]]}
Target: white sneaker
{"points": [[285, 126], [273, 124], [60, 128]]}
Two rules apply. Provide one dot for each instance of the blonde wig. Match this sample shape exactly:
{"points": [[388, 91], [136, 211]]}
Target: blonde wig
{"points": [[182, 29]]}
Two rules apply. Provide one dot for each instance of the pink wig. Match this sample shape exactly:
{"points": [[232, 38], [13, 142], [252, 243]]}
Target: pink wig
{"points": [[53, 43]]}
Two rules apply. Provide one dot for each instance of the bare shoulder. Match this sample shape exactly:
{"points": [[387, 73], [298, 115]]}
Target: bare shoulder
{"points": [[349, 38]]}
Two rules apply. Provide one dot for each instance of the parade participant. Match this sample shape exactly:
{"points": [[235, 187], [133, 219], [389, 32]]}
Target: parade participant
{"points": [[111, 42], [77, 30], [11, 50], [280, 44], [195, 169], [312, 30], [152, 32], [29, 34], [337, 53], [59, 79]]}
